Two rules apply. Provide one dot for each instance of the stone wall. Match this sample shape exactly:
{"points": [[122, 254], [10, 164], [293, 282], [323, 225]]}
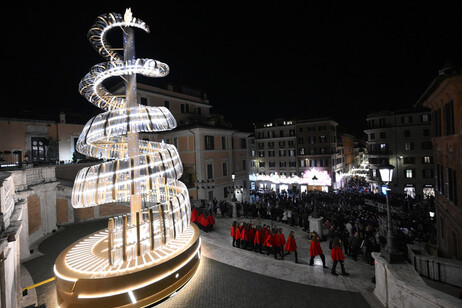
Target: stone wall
{"points": [[12, 233], [398, 285], [440, 269]]}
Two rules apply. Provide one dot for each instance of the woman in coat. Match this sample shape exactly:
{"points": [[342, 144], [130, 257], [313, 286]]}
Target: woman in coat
{"points": [[316, 250], [291, 245], [337, 256]]}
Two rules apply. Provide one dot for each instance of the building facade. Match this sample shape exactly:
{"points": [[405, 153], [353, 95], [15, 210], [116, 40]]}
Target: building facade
{"points": [[210, 149], [299, 155], [402, 139], [444, 98], [35, 141]]}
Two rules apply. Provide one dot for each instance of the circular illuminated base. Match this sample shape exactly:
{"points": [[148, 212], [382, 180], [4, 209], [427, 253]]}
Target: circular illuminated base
{"points": [[84, 277]]}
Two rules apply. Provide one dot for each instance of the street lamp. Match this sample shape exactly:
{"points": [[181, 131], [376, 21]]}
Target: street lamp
{"points": [[315, 212], [390, 252], [233, 176]]}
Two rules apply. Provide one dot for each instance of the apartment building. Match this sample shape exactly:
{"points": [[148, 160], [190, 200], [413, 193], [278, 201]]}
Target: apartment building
{"points": [[444, 98], [402, 139], [299, 155]]}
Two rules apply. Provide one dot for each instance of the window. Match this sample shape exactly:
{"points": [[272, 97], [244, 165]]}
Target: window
{"points": [[209, 142], [301, 151], [271, 144], [291, 143], [167, 104], [225, 169], [372, 136], [409, 173], [382, 122], [281, 133], [439, 179], [199, 110], [282, 164], [291, 152], [291, 132], [292, 164], [300, 130], [38, 148], [243, 143], [407, 133], [244, 164], [313, 162], [209, 171], [182, 108], [322, 139], [448, 113], [223, 142], [261, 153], [427, 160], [144, 101], [271, 153], [300, 140], [282, 153], [252, 153], [323, 162], [282, 143], [451, 189], [302, 163], [272, 164], [427, 173], [408, 146], [262, 164], [383, 135], [425, 118]]}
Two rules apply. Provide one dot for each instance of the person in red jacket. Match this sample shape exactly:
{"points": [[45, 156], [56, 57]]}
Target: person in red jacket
{"points": [[204, 222], [258, 239], [270, 244], [291, 245], [280, 242], [244, 235], [194, 215], [233, 230], [316, 250], [337, 256], [237, 236], [211, 221]]}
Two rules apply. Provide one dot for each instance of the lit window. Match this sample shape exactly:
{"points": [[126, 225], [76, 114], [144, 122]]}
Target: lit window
{"points": [[409, 173]]}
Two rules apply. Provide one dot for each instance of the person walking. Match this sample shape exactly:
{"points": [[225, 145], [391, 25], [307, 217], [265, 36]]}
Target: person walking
{"points": [[337, 257], [316, 250], [280, 242], [291, 245], [233, 230]]}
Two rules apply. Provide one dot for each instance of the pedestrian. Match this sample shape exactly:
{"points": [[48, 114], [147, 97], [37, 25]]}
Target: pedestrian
{"points": [[355, 243], [233, 230], [316, 250], [258, 239], [280, 242], [291, 245], [337, 257], [269, 244], [237, 236]]}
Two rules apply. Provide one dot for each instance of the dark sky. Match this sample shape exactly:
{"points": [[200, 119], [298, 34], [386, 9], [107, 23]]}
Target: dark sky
{"points": [[255, 61]]}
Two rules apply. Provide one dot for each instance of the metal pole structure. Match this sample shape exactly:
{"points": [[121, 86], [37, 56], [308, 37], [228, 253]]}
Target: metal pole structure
{"points": [[132, 137], [390, 237]]}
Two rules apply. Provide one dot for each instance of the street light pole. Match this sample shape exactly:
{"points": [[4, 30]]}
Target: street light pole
{"points": [[390, 253], [233, 176]]}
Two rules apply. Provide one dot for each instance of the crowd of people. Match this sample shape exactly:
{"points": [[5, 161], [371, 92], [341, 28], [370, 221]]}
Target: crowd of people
{"points": [[203, 219]]}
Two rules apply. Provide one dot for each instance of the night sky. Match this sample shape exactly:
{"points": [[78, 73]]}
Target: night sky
{"points": [[256, 62]]}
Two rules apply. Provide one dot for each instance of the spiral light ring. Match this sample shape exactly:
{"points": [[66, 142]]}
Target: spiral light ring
{"points": [[105, 136]]}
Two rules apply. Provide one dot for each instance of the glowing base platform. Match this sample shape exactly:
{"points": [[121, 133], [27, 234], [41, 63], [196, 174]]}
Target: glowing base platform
{"points": [[85, 279]]}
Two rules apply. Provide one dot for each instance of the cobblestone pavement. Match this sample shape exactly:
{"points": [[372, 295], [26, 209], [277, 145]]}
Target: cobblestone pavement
{"points": [[229, 276]]}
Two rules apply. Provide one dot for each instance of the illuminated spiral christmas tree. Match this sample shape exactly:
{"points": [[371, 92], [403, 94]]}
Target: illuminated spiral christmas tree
{"points": [[148, 254]]}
